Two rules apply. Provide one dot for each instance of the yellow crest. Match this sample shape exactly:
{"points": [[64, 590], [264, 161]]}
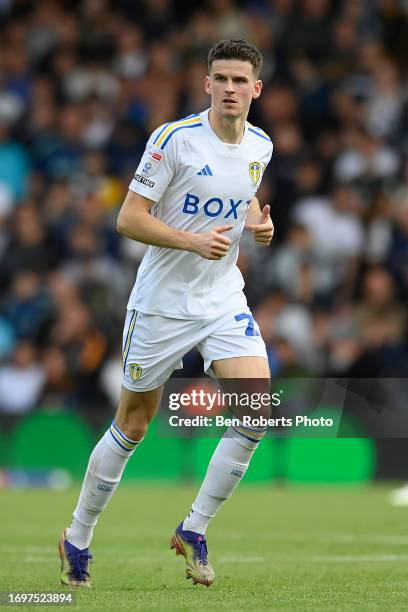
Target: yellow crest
{"points": [[255, 171], [135, 371]]}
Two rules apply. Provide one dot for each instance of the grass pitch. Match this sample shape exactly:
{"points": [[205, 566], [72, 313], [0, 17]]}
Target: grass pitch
{"points": [[273, 549]]}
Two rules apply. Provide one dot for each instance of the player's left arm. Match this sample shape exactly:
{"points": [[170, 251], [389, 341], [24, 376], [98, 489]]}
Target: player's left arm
{"points": [[259, 222]]}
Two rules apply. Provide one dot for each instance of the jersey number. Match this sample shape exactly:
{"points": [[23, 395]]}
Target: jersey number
{"points": [[250, 330]]}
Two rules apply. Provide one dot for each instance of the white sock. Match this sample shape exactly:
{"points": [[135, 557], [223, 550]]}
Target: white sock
{"points": [[228, 464], [105, 468]]}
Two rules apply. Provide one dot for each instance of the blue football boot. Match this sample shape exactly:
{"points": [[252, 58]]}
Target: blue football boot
{"points": [[193, 547], [74, 564]]}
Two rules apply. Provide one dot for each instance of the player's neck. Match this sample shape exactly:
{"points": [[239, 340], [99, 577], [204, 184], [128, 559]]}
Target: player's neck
{"points": [[230, 131]]}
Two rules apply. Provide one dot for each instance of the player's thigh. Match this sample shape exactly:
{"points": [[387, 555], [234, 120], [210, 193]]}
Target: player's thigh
{"points": [[234, 348], [241, 367], [235, 353]]}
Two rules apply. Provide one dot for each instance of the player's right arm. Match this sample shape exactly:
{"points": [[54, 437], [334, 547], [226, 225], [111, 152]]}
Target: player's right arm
{"points": [[136, 222]]}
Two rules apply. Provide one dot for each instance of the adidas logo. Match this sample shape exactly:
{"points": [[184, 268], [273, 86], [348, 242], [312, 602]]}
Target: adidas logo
{"points": [[206, 171]]}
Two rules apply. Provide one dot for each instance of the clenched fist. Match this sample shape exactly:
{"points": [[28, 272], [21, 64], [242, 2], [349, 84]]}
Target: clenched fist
{"points": [[213, 244]]}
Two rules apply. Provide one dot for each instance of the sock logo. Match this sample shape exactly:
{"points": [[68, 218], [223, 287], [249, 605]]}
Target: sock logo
{"points": [[236, 472], [104, 487]]}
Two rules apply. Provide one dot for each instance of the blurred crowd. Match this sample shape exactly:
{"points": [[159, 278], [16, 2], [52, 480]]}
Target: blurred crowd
{"points": [[83, 84]]}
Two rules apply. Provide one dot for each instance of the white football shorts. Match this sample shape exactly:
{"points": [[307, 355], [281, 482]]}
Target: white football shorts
{"points": [[154, 346]]}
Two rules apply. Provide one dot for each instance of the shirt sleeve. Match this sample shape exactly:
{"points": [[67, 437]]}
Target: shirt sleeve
{"points": [[155, 170], [269, 155], [265, 161]]}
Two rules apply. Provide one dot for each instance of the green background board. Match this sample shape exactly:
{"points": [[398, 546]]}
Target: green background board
{"points": [[330, 460], [47, 439], [157, 457], [3, 449], [327, 460]]}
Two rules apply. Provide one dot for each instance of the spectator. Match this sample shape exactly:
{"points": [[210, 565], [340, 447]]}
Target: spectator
{"points": [[21, 381], [14, 161]]}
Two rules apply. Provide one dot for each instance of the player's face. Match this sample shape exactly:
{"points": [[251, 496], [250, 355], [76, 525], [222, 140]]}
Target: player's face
{"points": [[232, 86]]}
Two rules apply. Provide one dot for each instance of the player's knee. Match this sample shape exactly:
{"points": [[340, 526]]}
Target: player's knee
{"points": [[138, 430], [135, 412], [261, 410], [133, 421], [265, 411], [134, 426]]}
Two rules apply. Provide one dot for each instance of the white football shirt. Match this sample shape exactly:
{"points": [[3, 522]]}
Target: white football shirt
{"points": [[197, 183]]}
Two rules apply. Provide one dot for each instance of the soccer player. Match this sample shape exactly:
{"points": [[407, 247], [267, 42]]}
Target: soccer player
{"points": [[191, 195]]}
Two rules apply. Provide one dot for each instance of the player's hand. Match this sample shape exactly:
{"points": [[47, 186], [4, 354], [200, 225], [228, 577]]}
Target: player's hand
{"points": [[213, 244], [264, 230]]}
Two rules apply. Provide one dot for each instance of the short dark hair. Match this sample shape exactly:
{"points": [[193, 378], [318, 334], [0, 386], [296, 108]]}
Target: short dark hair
{"points": [[236, 48]]}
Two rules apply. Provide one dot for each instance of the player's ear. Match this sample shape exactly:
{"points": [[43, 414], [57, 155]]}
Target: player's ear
{"points": [[207, 84], [257, 89]]}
